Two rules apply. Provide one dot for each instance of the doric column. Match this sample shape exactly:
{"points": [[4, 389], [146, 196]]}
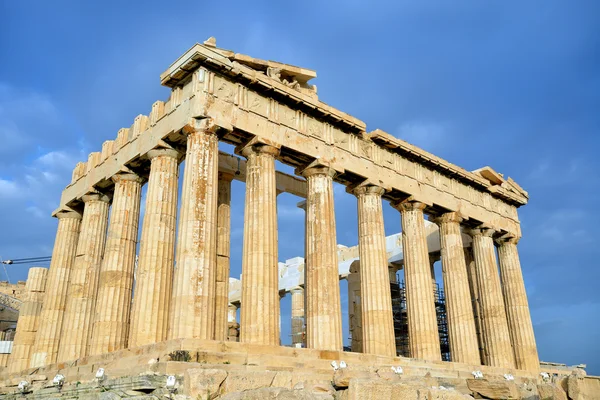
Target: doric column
{"points": [[459, 309], [223, 245], [424, 341], [233, 328], [433, 258], [517, 306], [47, 338], [297, 316], [377, 319], [152, 297], [392, 271], [259, 317], [496, 337], [193, 303], [29, 318], [354, 308], [83, 285], [322, 286], [476, 304], [113, 304]]}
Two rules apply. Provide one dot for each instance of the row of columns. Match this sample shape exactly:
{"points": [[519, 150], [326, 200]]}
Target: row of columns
{"points": [[93, 311]]}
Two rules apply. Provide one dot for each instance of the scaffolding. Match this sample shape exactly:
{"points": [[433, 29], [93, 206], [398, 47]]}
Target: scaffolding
{"points": [[398, 290]]}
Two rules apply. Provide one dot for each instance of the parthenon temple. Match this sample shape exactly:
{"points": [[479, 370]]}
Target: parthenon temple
{"points": [[106, 293]]}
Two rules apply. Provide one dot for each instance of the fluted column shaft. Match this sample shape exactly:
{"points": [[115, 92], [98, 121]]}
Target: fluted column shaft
{"points": [[517, 306], [193, 304], [459, 309], [424, 341], [377, 319], [259, 317], [233, 328], [152, 298], [355, 320], [297, 317], [476, 303], [322, 287], [496, 337], [29, 318], [223, 256], [113, 304], [47, 339], [83, 285]]}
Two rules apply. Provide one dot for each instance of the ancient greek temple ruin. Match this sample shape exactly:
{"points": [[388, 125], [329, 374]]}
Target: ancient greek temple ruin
{"points": [[85, 305]]}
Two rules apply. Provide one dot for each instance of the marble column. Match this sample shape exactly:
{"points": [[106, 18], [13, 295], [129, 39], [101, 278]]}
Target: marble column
{"points": [[193, 303], [233, 328], [355, 320], [392, 271], [152, 297], [517, 306], [459, 309], [496, 337], [433, 258], [223, 246], [297, 317], [424, 341], [83, 285], [47, 338], [377, 318], [259, 317], [322, 287], [113, 303], [476, 304], [29, 318]]}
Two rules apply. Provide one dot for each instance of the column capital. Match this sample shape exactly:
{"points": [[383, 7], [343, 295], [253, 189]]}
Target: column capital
{"points": [[260, 149], [258, 146], [152, 154], [508, 240], [367, 189], [449, 217], [205, 126], [409, 205], [301, 205], [297, 289], [95, 197], [318, 171], [224, 176], [68, 214], [482, 230], [120, 177]]}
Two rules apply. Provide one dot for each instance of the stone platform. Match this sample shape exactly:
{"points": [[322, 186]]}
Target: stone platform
{"points": [[214, 370]]}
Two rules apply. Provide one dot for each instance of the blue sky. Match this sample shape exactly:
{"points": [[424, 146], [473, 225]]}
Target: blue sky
{"points": [[514, 85]]}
